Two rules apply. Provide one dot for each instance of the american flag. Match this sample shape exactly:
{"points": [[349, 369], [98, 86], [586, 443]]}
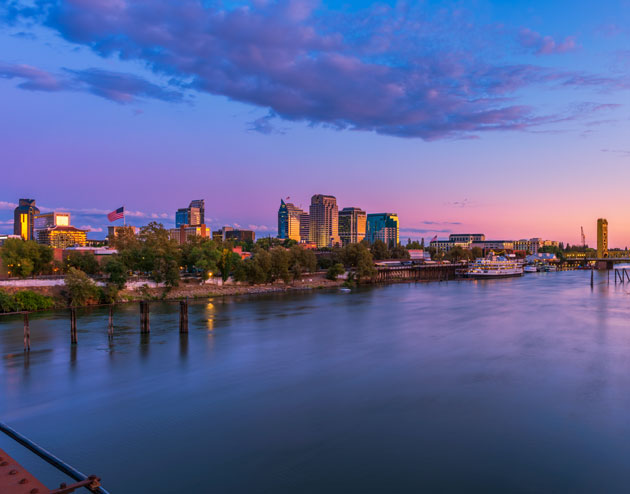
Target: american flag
{"points": [[434, 239], [116, 215]]}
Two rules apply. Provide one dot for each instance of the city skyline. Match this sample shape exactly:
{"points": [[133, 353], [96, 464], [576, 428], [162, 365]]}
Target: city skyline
{"points": [[529, 140]]}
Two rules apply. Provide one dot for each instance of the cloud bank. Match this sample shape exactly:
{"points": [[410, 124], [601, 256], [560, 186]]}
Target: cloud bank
{"points": [[403, 71]]}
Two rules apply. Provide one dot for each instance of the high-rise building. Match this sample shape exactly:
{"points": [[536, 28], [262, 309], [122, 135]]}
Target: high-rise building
{"points": [[305, 226], [352, 225], [383, 226], [200, 205], [193, 215], [50, 220], [23, 219], [290, 221], [324, 221], [602, 238]]}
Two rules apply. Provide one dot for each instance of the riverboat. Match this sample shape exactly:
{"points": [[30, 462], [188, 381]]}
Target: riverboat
{"points": [[530, 268], [494, 267]]}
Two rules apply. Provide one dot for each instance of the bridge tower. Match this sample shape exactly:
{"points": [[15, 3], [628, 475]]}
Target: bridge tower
{"points": [[602, 238]]}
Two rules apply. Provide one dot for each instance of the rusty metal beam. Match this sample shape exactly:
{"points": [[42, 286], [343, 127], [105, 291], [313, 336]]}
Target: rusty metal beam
{"points": [[14, 479]]}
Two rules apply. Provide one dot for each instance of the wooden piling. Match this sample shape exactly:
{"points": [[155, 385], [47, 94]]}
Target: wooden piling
{"points": [[73, 326], [110, 326], [144, 316], [592, 270], [27, 334], [183, 316]]}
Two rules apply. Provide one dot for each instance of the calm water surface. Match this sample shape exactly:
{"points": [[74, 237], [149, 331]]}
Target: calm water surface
{"points": [[519, 385]]}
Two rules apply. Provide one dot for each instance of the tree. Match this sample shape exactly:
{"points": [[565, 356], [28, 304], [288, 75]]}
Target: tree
{"points": [[301, 261], [24, 258], [334, 271], [227, 262], [257, 269], [201, 255], [116, 270], [379, 250], [457, 253], [80, 289], [280, 263], [413, 245], [160, 255], [85, 261], [399, 252], [476, 252]]}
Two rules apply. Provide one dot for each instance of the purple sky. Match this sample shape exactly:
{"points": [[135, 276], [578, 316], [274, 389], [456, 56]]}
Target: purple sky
{"points": [[509, 118]]}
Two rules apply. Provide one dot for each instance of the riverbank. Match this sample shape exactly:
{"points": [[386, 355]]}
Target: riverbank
{"points": [[191, 289]]}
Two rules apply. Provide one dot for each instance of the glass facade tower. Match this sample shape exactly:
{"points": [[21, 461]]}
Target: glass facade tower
{"points": [[383, 226]]}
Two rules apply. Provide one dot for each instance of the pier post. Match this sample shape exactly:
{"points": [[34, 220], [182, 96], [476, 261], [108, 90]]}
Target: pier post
{"points": [[592, 270], [183, 316], [27, 334], [144, 316], [73, 326], [110, 325]]}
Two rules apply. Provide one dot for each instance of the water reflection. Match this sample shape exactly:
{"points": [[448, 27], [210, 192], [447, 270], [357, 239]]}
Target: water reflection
{"points": [[509, 385]]}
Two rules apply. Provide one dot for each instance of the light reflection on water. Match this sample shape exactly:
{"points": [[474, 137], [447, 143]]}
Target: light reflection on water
{"points": [[506, 385]]}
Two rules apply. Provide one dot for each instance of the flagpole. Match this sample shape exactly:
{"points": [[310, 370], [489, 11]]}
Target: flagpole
{"points": [[124, 219]]}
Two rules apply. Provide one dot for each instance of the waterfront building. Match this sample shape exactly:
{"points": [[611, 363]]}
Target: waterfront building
{"points": [[324, 221], [466, 238], [185, 232], [193, 215], [62, 237], [352, 225], [383, 226], [494, 245], [23, 219], [602, 238], [290, 221]]}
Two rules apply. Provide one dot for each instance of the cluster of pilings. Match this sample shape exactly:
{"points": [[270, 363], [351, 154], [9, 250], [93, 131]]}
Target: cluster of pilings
{"points": [[144, 322], [432, 272]]}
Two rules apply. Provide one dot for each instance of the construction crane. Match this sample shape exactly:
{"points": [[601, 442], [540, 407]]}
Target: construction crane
{"points": [[583, 236]]}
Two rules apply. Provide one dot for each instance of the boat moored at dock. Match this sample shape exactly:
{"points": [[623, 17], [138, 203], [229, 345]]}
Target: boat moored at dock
{"points": [[494, 267]]}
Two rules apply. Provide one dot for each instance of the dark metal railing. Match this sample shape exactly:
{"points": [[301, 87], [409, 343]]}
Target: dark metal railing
{"points": [[90, 482]]}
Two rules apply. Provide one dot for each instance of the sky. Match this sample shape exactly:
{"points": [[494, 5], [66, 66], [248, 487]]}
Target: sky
{"points": [[504, 118]]}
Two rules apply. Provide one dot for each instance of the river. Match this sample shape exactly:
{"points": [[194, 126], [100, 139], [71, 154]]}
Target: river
{"points": [[516, 385]]}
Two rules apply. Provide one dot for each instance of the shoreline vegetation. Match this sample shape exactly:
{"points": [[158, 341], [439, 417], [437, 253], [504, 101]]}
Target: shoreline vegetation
{"points": [[198, 268]]}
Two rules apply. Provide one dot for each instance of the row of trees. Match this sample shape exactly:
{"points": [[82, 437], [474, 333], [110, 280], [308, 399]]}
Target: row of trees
{"points": [[154, 254]]}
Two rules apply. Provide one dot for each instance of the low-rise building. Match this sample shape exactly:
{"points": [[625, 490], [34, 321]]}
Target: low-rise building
{"points": [[241, 235], [185, 232], [494, 245], [62, 237]]}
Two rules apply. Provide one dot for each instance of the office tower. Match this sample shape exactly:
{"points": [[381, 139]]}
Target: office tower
{"points": [[324, 221], [200, 206], [305, 226], [602, 238], [352, 225], [290, 221], [193, 215], [23, 219], [383, 226]]}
